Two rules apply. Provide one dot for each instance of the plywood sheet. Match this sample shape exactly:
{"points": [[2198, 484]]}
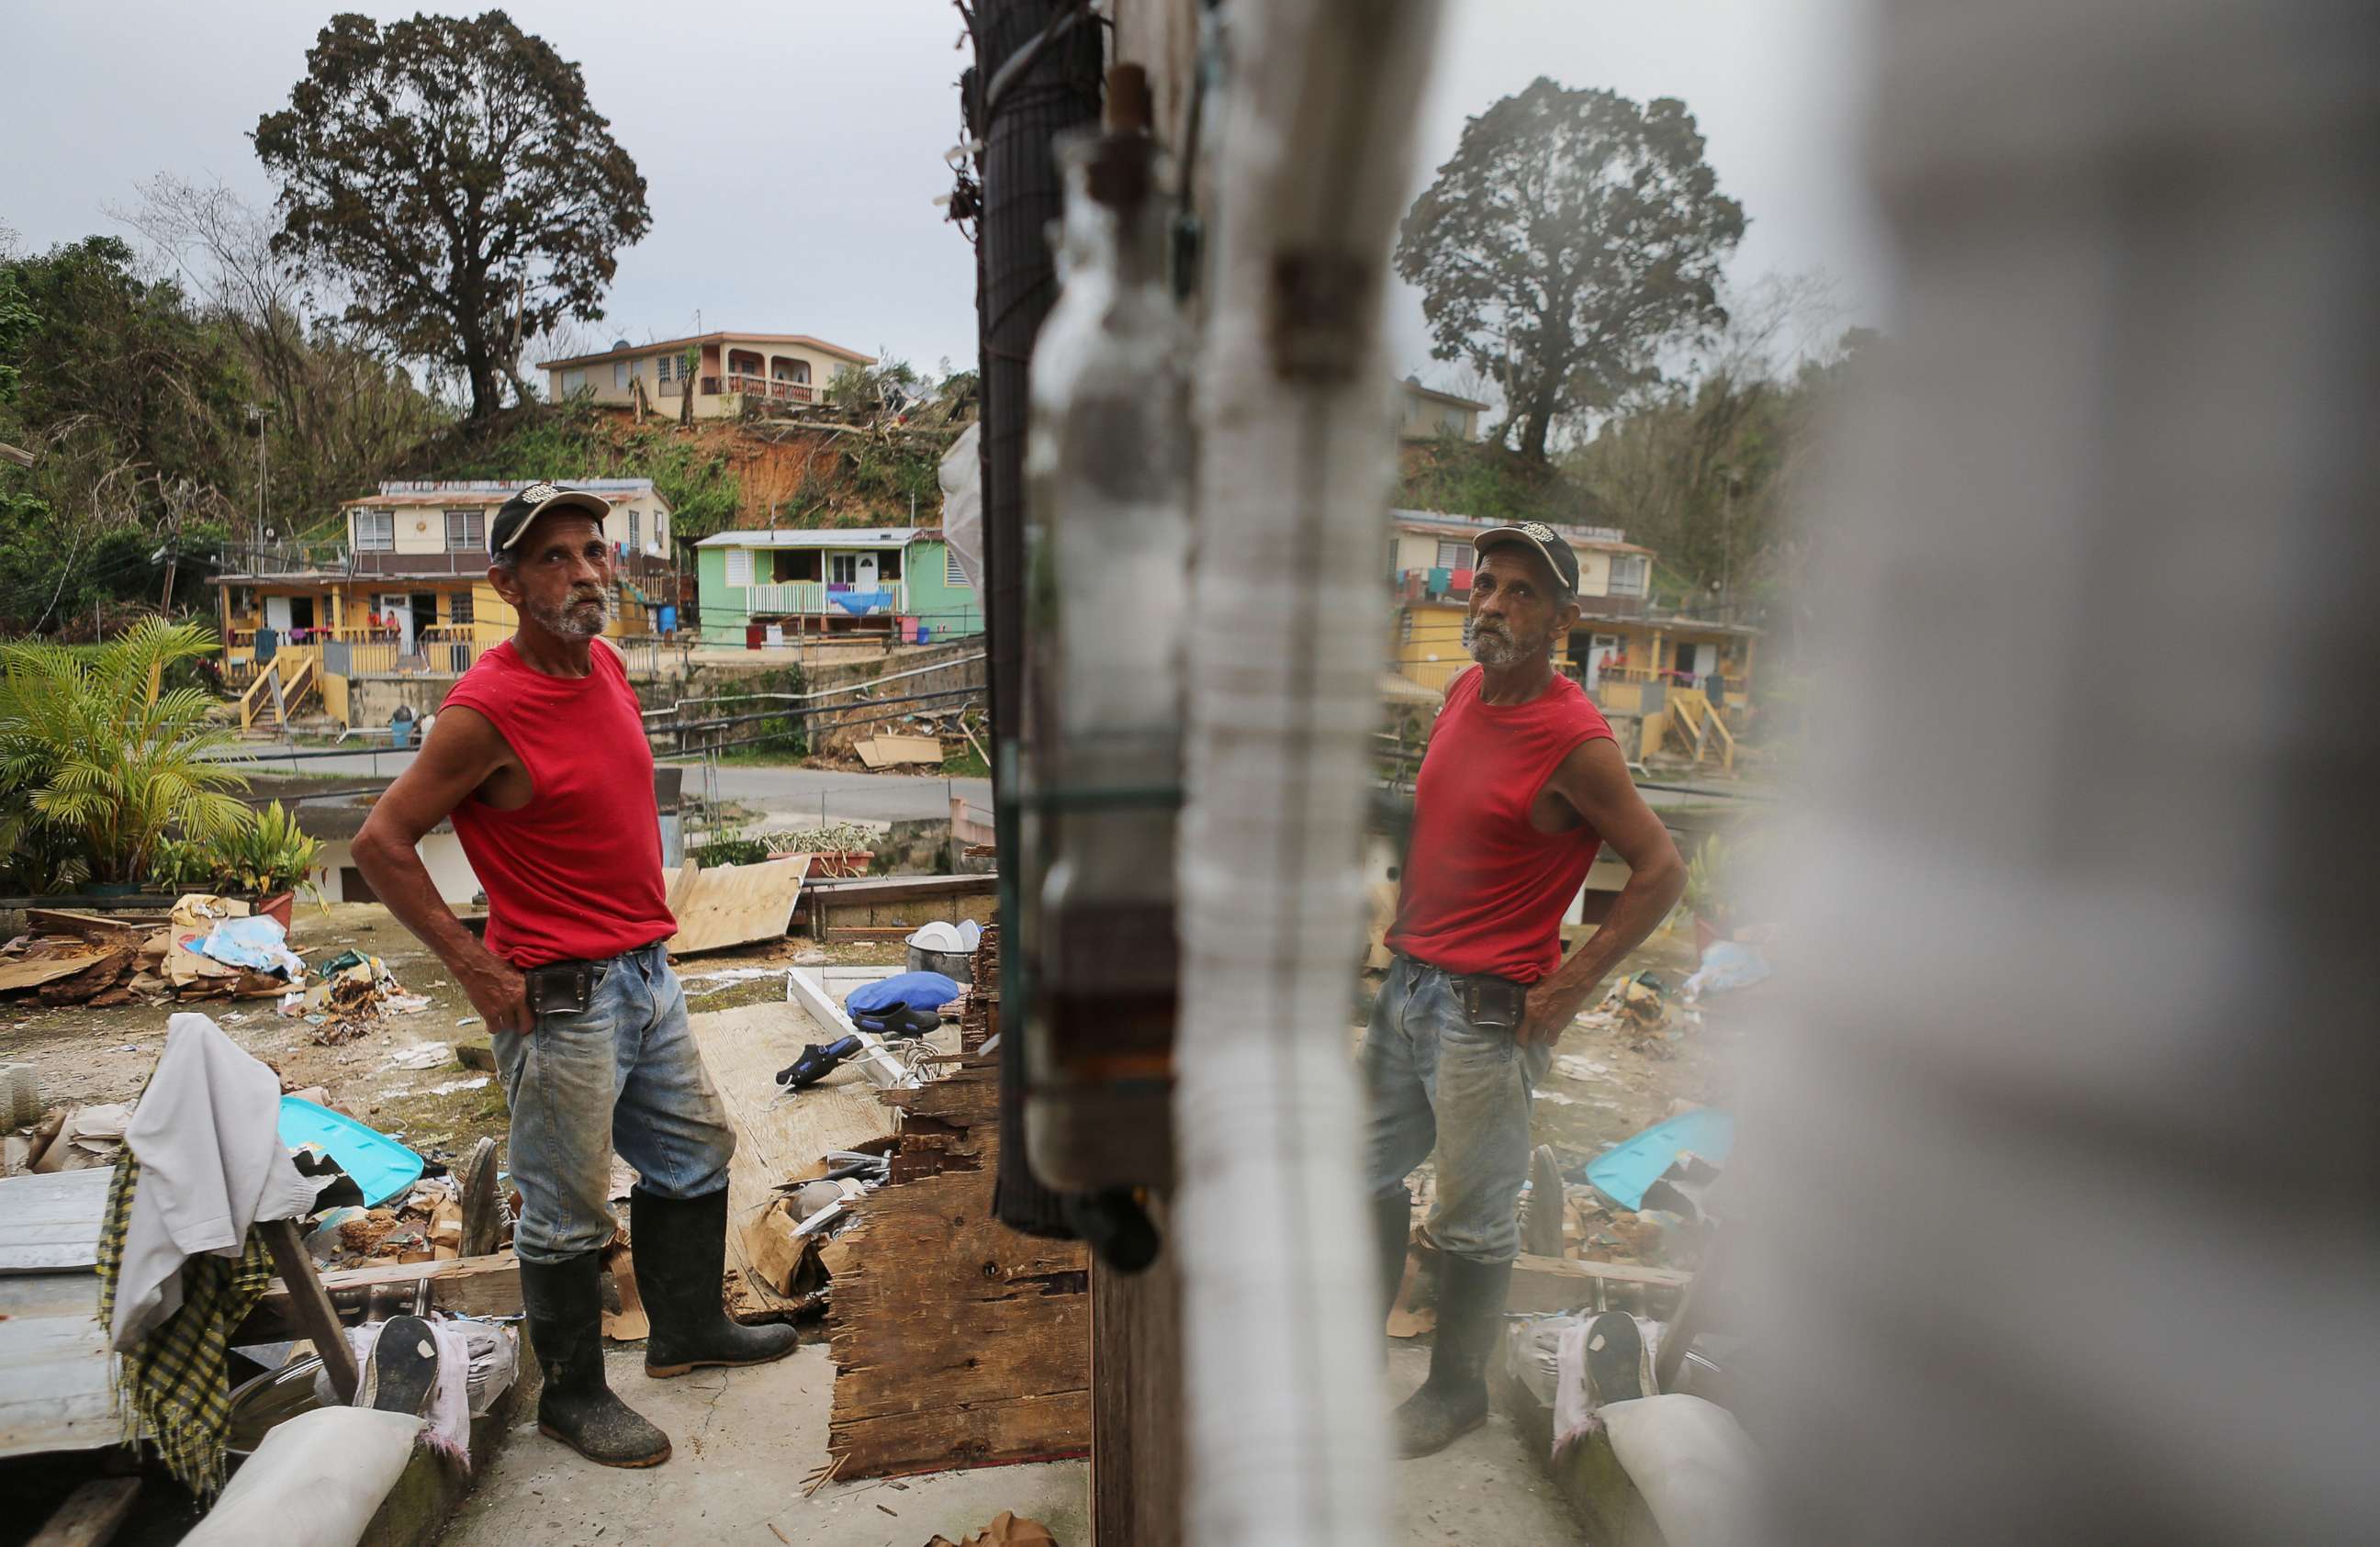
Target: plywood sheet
{"points": [[735, 904], [50, 1223], [777, 1134]]}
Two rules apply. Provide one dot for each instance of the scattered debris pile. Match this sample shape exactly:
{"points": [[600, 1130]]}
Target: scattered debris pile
{"points": [[208, 948], [357, 992]]}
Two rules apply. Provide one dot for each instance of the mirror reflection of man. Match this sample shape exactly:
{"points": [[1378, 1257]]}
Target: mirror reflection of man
{"points": [[1522, 784], [539, 757]]}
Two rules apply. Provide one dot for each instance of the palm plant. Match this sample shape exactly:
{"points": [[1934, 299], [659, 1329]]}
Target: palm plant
{"points": [[97, 764]]}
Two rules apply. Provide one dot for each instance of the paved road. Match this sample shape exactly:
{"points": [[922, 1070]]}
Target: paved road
{"points": [[795, 792]]}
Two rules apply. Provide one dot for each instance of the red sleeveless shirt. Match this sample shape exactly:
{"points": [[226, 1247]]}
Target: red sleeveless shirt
{"points": [[577, 873], [1483, 891]]}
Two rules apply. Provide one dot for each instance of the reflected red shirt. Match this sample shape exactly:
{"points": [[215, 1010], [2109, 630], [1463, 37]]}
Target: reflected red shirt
{"points": [[1483, 891], [577, 873]]}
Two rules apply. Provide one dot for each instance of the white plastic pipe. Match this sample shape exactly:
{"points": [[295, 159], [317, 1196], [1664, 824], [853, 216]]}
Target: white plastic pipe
{"points": [[1286, 1440]]}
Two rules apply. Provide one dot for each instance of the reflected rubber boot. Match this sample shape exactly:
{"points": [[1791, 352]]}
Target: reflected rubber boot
{"points": [[563, 1302], [1454, 1401], [1393, 1230], [680, 1248]]}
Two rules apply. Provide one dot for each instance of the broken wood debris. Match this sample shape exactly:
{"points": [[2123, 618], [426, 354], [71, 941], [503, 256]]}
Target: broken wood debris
{"points": [[957, 1341]]}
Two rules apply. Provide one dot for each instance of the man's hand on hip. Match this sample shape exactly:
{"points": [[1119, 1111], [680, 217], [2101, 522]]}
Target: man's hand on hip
{"points": [[498, 993], [1549, 1010]]}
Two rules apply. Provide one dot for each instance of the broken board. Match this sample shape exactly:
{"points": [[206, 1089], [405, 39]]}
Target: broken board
{"points": [[776, 1135], [958, 1342], [57, 1386], [735, 904], [886, 752]]}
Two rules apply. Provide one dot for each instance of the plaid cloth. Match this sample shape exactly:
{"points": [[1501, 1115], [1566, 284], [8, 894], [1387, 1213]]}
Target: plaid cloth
{"points": [[174, 1383]]}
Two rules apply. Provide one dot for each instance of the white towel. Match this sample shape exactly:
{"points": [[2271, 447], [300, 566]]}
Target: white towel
{"points": [[208, 1135]]}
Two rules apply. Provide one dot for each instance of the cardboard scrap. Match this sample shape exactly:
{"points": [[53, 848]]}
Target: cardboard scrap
{"points": [[890, 750], [1006, 1530], [629, 1324]]}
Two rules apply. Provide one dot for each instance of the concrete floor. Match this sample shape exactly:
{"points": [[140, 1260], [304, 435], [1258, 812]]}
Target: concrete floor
{"points": [[744, 1438]]}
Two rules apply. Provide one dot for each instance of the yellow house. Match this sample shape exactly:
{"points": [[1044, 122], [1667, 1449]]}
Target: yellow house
{"points": [[406, 593], [731, 370], [1635, 659]]}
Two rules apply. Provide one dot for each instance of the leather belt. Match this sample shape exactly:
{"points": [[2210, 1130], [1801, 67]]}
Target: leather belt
{"points": [[1488, 1001]]}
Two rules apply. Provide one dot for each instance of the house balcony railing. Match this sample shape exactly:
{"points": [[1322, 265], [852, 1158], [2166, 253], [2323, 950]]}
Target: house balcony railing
{"points": [[790, 598], [752, 385], [633, 564]]}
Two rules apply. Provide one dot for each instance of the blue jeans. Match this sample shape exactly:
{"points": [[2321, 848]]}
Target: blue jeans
{"points": [[1433, 1079], [623, 1072]]}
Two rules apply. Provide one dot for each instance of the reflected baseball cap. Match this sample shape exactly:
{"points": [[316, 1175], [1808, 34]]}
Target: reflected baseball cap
{"points": [[535, 501], [1537, 534]]}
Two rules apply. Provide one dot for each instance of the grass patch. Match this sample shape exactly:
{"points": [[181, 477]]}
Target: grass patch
{"points": [[443, 1127]]}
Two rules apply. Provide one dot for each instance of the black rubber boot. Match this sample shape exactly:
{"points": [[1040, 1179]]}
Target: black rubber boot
{"points": [[1392, 1231], [565, 1305], [1454, 1401], [680, 1246]]}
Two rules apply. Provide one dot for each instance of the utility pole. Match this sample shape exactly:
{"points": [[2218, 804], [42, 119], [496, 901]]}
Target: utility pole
{"points": [[256, 419]]}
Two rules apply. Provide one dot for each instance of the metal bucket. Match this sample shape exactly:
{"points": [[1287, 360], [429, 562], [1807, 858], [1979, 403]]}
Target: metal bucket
{"points": [[956, 965]]}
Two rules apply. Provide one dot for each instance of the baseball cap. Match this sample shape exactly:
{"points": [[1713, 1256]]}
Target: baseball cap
{"points": [[1539, 536], [535, 501]]}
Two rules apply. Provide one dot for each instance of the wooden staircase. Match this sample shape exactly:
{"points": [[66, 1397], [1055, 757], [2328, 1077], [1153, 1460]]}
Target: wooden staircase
{"points": [[1700, 727], [281, 691]]}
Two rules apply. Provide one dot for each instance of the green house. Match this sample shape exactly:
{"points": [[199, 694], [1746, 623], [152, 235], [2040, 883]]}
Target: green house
{"points": [[900, 580]]}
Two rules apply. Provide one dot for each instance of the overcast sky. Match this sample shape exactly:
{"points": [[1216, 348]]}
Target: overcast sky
{"points": [[792, 149]]}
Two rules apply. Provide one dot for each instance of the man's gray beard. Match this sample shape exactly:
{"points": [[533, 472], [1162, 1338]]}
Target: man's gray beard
{"points": [[1501, 650], [576, 620]]}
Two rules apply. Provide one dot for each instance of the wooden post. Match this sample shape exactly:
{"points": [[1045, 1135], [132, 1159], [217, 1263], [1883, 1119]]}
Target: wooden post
{"points": [[1136, 1401], [309, 1305]]}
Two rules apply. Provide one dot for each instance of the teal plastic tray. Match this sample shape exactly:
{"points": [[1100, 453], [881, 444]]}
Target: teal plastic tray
{"points": [[381, 1167], [1625, 1170]]}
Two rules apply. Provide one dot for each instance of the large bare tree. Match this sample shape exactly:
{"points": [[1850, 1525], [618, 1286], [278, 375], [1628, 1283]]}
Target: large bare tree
{"points": [[1574, 237], [454, 174]]}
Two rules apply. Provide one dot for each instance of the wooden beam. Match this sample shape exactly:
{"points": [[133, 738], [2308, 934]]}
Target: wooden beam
{"points": [[310, 1306], [90, 1515], [477, 1285], [1542, 1284]]}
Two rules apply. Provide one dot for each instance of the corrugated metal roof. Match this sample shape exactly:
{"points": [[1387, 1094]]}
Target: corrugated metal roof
{"points": [[493, 491], [857, 536], [1603, 539]]}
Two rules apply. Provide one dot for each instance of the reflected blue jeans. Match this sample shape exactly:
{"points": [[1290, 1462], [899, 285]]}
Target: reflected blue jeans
{"points": [[1433, 1079], [624, 1072]]}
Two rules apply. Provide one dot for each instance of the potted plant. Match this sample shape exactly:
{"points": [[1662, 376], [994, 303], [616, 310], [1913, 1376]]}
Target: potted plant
{"points": [[1708, 895], [269, 860]]}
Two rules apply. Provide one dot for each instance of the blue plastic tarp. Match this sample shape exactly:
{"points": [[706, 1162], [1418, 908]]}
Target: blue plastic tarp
{"points": [[902, 991], [1622, 1172], [257, 942], [860, 603]]}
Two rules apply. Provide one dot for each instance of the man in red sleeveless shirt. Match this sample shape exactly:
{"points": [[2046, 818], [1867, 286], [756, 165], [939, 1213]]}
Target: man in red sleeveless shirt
{"points": [[540, 759], [1522, 784]]}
